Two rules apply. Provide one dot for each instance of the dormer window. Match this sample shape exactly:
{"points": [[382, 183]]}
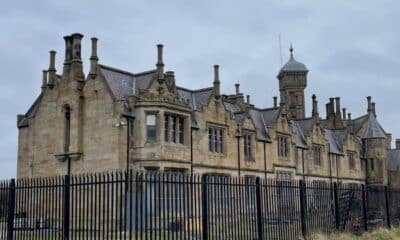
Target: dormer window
{"points": [[216, 139]]}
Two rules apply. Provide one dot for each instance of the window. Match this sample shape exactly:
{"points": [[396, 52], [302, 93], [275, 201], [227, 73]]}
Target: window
{"points": [[151, 127], [283, 146], [352, 163], [174, 127], [317, 154], [67, 134], [216, 139], [248, 151]]}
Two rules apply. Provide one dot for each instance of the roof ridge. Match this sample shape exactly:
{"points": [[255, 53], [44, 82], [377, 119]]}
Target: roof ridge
{"points": [[116, 70], [193, 91], [145, 72]]}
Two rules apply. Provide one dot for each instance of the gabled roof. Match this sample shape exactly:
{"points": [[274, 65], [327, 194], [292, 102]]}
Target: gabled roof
{"points": [[393, 157], [373, 128], [335, 146], [270, 115]]}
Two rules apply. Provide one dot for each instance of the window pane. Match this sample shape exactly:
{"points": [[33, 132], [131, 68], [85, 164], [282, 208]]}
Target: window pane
{"points": [[166, 128], [151, 120], [210, 140], [181, 129], [151, 127], [221, 141], [173, 132]]}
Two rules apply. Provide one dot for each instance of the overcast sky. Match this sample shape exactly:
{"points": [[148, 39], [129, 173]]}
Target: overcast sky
{"points": [[350, 47]]}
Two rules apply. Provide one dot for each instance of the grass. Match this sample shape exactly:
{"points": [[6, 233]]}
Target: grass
{"points": [[379, 234]]}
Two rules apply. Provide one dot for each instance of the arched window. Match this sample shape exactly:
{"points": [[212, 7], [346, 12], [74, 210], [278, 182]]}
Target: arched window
{"points": [[67, 128]]}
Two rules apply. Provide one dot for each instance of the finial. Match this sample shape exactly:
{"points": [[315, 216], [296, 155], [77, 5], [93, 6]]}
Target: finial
{"points": [[291, 50]]}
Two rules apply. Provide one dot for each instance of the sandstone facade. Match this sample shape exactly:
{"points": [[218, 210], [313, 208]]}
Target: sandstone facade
{"points": [[113, 120]]}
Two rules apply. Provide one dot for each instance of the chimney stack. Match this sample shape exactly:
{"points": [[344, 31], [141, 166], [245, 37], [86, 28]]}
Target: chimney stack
{"points": [[349, 117], [369, 109], [344, 113], [52, 69], [373, 108], [68, 49], [217, 82], [275, 101], [397, 143], [76, 46], [93, 58], [248, 99], [237, 85], [338, 115], [160, 63], [44, 79], [315, 114]]}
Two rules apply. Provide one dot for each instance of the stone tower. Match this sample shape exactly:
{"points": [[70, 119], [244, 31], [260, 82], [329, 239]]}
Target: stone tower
{"points": [[374, 146], [292, 82]]}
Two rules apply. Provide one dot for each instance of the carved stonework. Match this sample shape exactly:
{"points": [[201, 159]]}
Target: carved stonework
{"points": [[171, 98]]}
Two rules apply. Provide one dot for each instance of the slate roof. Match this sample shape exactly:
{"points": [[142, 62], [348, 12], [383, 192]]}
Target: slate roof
{"points": [[393, 156], [300, 138], [270, 115], [373, 129], [123, 84]]}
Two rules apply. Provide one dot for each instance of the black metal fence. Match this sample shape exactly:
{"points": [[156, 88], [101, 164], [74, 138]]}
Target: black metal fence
{"points": [[178, 206]]}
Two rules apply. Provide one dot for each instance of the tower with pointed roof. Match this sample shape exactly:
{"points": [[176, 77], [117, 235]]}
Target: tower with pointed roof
{"points": [[292, 82]]}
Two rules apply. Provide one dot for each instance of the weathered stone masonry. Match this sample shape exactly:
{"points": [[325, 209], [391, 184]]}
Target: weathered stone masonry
{"points": [[86, 118]]}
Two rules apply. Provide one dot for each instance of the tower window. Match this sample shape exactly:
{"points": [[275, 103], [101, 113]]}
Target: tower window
{"points": [[372, 164], [151, 127]]}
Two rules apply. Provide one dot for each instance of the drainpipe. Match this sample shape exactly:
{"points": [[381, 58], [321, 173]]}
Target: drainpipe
{"points": [[302, 163], [265, 161], [237, 135], [191, 150]]}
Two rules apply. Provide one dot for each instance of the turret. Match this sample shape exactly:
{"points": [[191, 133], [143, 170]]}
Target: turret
{"points": [[292, 82]]}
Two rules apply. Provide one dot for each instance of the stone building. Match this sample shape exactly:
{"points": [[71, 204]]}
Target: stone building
{"points": [[113, 119]]}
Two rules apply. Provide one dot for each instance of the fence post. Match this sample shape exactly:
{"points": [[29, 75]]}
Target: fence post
{"points": [[303, 208], [11, 208], [387, 207], [260, 223], [204, 205], [66, 202], [364, 205], [336, 202]]}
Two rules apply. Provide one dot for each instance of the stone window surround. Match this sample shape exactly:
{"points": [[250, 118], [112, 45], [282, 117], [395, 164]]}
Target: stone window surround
{"points": [[220, 142], [283, 154], [156, 114], [351, 156], [176, 131], [249, 149], [317, 153]]}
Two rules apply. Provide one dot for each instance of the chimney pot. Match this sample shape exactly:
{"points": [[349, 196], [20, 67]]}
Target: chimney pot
{"points": [[373, 108], [93, 58], [217, 83], [275, 101], [337, 99], [52, 69], [369, 109], [76, 46], [68, 49], [349, 116], [160, 63], [248, 99], [344, 113], [237, 85], [397, 143], [44, 79]]}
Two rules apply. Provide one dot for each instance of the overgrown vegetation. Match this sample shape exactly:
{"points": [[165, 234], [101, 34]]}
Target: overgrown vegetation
{"points": [[380, 234]]}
